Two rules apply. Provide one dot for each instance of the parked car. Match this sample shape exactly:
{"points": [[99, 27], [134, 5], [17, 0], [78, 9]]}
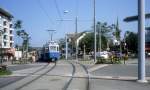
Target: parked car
{"points": [[103, 54]]}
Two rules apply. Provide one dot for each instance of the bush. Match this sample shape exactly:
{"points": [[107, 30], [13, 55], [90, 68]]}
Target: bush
{"points": [[108, 61], [101, 60], [3, 67]]}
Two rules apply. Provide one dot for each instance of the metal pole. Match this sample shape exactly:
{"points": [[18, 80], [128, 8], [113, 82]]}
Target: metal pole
{"points": [[66, 56], [76, 24], [94, 32], [51, 34], [141, 43], [100, 39]]}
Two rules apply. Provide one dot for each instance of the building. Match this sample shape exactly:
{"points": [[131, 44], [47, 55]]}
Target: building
{"points": [[6, 34], [147, 40]]}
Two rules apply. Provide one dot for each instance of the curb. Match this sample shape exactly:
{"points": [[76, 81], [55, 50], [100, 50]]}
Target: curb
{"points": [[126, 78]]}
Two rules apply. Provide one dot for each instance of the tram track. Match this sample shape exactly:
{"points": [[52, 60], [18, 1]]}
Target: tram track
{"points": [[31, 80], [26, 76], [39, 76], [88, 77], [69, 82], [66, 86]]}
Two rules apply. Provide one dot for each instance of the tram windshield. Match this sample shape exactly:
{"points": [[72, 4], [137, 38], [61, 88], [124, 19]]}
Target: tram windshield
{"points": [[53, 48]]}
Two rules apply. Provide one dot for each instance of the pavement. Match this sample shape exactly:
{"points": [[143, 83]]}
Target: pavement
{"points": [[102, 76], [128, 71]]}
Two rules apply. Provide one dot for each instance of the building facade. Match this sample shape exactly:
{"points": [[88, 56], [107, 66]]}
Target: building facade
{"points": [[147, 41], [6, 33]]}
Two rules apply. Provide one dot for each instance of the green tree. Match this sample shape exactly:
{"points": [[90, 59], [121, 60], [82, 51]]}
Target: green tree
{"points": [[104, 35], [18, 27], [88, 41], [131, 40]]}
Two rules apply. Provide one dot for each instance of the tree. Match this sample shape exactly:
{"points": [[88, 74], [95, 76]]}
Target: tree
{"points": [[131, 40], [104, 35], [22, 34], [88, 41], [18, 27]]}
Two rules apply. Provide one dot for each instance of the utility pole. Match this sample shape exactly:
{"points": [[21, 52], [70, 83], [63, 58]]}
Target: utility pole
{"points": [[51, 34], [66, 49], [76, 31], [100, 37], [94, 31], [141, 43]]}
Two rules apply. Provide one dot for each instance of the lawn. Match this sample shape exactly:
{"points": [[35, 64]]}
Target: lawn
{"points": [[5, 72]]}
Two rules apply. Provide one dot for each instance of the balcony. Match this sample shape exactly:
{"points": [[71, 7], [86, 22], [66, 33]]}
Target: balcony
{"points": [[11, 35], [11, 41], [5, 40]]}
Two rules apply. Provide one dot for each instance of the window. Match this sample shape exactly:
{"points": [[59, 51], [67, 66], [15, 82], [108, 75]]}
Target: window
{"points": [[11, 32], [4, 23], [5, 30], [11, 38], [53, 48], [46, 49], [57, 48], [5, 43], [11, 44], [5, 37], [10, 25]]}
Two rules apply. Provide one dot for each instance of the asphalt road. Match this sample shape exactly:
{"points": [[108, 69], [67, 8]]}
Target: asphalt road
{"points": [[61, 77], [24, 66]]}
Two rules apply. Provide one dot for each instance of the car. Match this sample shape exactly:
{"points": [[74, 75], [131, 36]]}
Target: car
{"points": [[103, 54]]}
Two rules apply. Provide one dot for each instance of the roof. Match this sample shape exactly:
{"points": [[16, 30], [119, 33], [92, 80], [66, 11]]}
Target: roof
{"points": [[135, 18], [5, 13]]}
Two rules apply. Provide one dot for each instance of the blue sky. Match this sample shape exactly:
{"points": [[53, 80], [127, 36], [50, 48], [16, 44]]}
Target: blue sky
{"points": [[40, 15]]}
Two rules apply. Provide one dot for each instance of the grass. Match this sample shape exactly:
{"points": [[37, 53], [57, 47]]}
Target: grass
{"points": [[4, 72]]}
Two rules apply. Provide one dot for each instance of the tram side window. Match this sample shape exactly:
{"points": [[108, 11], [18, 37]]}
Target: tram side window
{"points": [[46, 49], [57, 48]]}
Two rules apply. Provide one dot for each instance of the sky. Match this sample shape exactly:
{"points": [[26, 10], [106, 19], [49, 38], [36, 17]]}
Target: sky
{"points": [[38, 16]]}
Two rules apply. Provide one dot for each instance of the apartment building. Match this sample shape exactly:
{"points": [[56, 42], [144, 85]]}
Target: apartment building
{"points": [[6, 33]]}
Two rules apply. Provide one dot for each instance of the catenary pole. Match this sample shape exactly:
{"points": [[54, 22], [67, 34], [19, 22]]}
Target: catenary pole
{"points": [[141, 43], [94, 31]]}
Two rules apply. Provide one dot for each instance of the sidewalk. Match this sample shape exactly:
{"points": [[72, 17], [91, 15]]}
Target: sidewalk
{"points": [[128, 71]]}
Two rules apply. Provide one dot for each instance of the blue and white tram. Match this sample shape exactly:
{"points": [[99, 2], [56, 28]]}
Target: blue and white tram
{"points": [[51, 51]]}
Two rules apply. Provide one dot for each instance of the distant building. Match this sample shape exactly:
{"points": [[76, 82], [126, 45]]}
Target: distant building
{"points": [[147, 41], [6, 34]]}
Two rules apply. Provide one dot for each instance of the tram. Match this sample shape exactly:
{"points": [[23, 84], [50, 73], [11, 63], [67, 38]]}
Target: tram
{"points": [[50, 51]]}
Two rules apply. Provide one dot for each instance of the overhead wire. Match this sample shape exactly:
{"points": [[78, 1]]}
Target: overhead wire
{"points": [[44, 11], [59, 13], [57, 8]]}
